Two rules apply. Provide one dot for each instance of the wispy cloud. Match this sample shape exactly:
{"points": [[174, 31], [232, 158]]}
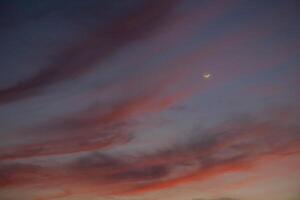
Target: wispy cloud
{"points": [[102, 42], [229, 147], [96, 128], [93, 113]]}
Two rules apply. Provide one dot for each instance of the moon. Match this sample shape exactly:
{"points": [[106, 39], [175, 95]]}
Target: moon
{"points": [[206, 75]]}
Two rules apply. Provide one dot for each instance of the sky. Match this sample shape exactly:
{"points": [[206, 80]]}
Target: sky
{"points": [[149, 100]]}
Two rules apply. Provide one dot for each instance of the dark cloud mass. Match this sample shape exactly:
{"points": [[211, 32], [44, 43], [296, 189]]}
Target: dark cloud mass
{"points": [[99, 44]]}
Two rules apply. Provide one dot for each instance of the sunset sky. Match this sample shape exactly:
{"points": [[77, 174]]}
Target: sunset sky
{"points": [[149, 100]]}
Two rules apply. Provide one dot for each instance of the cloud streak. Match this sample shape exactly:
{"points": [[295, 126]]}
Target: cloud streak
{"points": [[79, 59], [99, 117], [98, 128], [228, 148]]}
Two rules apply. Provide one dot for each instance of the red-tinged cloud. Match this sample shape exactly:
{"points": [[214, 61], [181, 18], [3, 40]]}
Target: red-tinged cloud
{"points": [[95, 129], [231, 147], [64, 146], [101, 43], [95, 147]]}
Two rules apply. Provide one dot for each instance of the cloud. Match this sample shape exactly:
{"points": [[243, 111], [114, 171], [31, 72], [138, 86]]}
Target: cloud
{"points": [[230, 147], [233, 146], [136, 94], [101, 43], [64, 145], [102, 126]]}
